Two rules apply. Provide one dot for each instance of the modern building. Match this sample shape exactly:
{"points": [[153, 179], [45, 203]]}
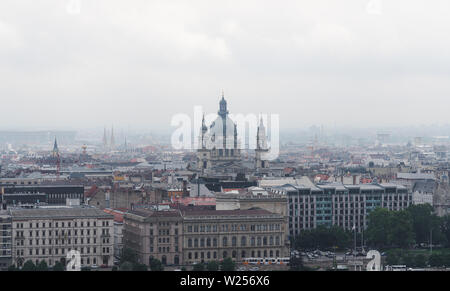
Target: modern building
{"points": [[347, 206], [51, 194], [49, 233]]}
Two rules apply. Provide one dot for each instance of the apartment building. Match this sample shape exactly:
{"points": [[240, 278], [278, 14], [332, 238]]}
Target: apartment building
{"points": [[49, 233], [154, 233]]}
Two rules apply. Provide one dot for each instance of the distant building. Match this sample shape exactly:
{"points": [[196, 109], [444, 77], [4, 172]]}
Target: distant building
{"points": [[423, 192], [218, 144], [50, 194]]}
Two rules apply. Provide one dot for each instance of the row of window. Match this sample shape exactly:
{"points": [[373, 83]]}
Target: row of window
{"points": [[351, 198], [61, 224], [232, 227], [208, 242], [57, 251], [213, 255]]}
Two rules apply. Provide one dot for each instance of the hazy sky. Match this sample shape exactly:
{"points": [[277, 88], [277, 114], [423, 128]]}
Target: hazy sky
{"points": [[137, 63]]}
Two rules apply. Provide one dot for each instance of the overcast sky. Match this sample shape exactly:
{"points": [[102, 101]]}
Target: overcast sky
{"points": [[137, 63]]}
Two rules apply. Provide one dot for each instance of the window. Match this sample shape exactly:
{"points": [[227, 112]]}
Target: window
{"points": [[243, 241]]}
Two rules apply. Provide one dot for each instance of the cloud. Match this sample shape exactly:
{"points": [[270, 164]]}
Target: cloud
{"points": [[139, 62]]}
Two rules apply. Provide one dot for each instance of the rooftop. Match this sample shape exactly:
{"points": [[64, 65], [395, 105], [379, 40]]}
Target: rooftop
{"points": [[59, 212]]}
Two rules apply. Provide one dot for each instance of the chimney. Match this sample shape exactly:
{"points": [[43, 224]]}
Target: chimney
{"points": [[354, 179]]}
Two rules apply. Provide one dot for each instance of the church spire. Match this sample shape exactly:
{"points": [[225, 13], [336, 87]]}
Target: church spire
{"points": [[105, 138], [55, 148], [223, 106], [112, 138]]}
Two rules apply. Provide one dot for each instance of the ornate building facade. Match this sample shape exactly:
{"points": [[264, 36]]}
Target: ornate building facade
{"points": [[220, 145]]}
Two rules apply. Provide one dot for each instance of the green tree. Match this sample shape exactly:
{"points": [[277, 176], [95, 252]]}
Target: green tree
{"points": [[114, 268], [128, 255], [12, 268], [58, 267], [212, 266], [42, 266], [436, 260], [420, 261], [29, 266], [156, 265], [296, 263], [378, 228], [445, 228], [408, 260], [227, 265], [393, 257], [401, 230], [140, 267], [198, 267], [323, 237], [183, 269], [421, 216], [446, 260], [126, 266]]}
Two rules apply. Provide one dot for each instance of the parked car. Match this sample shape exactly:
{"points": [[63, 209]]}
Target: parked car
{"points": [[94, 266]]}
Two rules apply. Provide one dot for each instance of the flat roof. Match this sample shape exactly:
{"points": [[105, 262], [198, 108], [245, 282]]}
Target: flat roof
{"points": [[59, 212]]}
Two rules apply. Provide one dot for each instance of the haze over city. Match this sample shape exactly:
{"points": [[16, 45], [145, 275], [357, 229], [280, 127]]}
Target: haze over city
{"points": [[135, 64]]}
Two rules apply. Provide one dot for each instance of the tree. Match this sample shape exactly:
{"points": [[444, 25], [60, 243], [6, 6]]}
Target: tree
{"points": [[126, 266], [212, 266], [323, 237], [58, 267], [436, 260], [401, 230], [408, 260], [42, 266], [378, 227], [199, 267], [114, 268], [156, 265], [393, 257], [445, 228], [420, 261], [128, 255], [29, 266], [12, 268], [140, 267], [421, 221], [227, 264], [183, 269], [296, 263]]}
